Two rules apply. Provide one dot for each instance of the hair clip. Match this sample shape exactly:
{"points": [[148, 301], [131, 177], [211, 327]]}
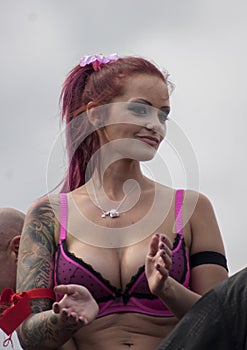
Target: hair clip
{"points": [[98, 60]]}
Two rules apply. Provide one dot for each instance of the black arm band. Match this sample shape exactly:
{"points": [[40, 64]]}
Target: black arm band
{"points": [[208, 257]]}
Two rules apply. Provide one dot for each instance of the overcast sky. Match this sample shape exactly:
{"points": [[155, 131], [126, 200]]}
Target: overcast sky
{"points": [[201, 43]]}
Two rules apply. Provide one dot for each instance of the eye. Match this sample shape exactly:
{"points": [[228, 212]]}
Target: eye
{"points": [[163, 115], [138, 109]]}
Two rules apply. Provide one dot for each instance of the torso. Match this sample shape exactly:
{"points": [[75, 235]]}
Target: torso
{"points": [[124, 331], [118, 331]]}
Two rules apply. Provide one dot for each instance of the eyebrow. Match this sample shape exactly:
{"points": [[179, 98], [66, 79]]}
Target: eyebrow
{"points": [[142, 100]]}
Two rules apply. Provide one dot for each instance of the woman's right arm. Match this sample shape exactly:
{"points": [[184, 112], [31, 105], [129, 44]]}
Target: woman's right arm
{"points": [[47, 328]]}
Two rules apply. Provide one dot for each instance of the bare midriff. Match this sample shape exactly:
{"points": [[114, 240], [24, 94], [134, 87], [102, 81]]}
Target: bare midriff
{"points": [[124, 331]]}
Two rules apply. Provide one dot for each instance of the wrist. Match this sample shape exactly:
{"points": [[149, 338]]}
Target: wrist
{"points": [[168, 291], [68, 324]]}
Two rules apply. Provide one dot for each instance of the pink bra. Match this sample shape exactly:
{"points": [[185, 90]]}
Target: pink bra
{"points": [[136, 297]]}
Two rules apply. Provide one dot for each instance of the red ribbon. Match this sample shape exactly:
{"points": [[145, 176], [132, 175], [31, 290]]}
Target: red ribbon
{"points": [[15, 307]]}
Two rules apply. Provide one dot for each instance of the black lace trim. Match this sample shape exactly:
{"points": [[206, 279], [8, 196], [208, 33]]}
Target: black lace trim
{"points": [[185, 263], [176, 241], [89, 268], [134, 278], [119, 293]]}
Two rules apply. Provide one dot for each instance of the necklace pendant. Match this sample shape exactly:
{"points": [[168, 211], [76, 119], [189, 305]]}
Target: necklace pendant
{"points": [[113, 213]]}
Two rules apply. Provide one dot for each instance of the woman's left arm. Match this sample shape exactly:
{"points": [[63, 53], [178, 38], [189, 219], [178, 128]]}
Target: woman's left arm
{"points": [[207, 249], [205, 237]]}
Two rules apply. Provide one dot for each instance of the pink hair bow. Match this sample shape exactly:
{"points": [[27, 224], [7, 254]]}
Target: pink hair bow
{"points": [[98, 60]]}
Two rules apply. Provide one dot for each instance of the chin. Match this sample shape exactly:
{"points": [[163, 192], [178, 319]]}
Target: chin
{"points": [[135, 150], [142, 155]]}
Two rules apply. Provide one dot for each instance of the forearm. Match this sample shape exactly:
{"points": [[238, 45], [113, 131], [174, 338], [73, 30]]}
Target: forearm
{"points": [[178, 298], [45, 330]]}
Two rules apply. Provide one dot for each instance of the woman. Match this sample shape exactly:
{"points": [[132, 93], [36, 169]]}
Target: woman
{"points": [[122, 273]]}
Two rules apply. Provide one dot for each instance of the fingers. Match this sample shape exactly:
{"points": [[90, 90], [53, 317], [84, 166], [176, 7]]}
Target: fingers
{"points": [[165, 257], [164, 254], [77, 306], [159, 242], [166, 241], [64, 289], [165, 249], [56, 308], [71, 317], [162, 270], [153, 246], [73, 290], [68, 316]]}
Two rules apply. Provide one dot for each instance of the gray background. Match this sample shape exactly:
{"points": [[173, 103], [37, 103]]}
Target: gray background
{"points": [[201, 43]]}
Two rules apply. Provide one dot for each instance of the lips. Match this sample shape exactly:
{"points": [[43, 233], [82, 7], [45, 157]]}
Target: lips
{"points": [[150, 140]]}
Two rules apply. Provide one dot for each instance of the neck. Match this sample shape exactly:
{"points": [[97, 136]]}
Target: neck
{"points": [[116, 175]]}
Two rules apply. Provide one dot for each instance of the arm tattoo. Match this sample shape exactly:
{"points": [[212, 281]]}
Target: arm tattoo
{"points": [[43, 329], [37, 249]]}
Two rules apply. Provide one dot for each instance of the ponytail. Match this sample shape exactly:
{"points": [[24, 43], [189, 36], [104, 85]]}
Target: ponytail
{"points": [[81, 139]]}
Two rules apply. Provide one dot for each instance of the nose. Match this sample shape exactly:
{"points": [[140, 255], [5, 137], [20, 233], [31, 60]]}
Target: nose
{"points": [[153, 124], [150, 126]]}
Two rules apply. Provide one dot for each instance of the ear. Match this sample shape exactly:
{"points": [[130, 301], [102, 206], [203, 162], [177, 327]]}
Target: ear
{"points": [[94, 115], [15, 244]]}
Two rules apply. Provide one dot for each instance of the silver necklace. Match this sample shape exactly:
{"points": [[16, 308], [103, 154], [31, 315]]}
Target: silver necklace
{"points": [[113, 213]]}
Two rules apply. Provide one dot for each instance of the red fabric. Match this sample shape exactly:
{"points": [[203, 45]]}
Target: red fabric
{"points": [[15, 307]]}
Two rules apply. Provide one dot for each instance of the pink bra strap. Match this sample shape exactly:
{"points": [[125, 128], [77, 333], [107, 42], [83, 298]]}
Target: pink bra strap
{"points": [[179, 211], [63, 216]]}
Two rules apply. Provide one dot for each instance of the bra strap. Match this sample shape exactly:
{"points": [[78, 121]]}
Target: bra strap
{"points": [[179, 211], [63, 216]]}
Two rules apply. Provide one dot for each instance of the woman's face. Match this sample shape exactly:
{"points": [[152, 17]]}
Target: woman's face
{"points": [[135, 122]]}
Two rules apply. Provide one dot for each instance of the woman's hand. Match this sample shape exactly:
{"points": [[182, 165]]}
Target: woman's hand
{"points": [[77, 305], [158, 263]]}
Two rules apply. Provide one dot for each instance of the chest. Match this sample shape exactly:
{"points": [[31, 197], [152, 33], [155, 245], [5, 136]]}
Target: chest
{"points": [[117, 265], [117, 248]]}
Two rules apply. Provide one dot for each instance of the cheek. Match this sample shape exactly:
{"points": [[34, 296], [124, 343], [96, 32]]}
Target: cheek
{"points": [[112, 132], [117, 130], [164, 131]]}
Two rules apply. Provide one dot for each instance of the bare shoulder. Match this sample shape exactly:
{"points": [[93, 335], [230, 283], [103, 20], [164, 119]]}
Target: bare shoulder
{"points": [[197, 203], [44, 210], [44, 205], [193, 201], [205, 230]]}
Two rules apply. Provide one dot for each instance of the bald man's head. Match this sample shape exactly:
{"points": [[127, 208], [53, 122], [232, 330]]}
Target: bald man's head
{"points": [[11, 224]]}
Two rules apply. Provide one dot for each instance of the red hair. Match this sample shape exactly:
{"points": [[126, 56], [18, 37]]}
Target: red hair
{"points": [[82, 86]]}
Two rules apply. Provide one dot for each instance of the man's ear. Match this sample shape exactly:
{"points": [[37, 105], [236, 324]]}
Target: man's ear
{"points": [[15, 244], [94, 115]]}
